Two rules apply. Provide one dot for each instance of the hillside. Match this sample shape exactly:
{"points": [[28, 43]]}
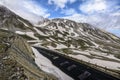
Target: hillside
{"points": [[17, 59]]}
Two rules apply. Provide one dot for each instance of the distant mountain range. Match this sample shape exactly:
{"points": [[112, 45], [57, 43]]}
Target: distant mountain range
{"points": [[78, 40]]}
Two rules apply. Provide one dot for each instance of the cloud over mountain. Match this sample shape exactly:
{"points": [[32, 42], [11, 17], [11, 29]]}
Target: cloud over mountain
{"points": [[101, 13], [27, 9]]}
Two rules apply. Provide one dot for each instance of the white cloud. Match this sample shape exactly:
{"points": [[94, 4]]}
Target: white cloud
{"points": [[60, 3], [36, 9], [100, 13], [104, 21], [70, 11], [27, 9], [72, 1], [76, 17], [91, 6], [116, 14]]}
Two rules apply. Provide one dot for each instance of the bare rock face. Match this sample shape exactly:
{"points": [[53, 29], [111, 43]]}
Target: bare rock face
{"points": [[17, 59], [12, 22], [81, 36]]}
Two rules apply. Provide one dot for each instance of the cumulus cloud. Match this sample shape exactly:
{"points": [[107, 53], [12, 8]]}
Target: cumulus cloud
{"points": [[100, 13], [76, 17], [116, 14], [92, 6], [27, 9], [72, 1], [100, 6], [103, 21], [69, 11], [60, 3]]}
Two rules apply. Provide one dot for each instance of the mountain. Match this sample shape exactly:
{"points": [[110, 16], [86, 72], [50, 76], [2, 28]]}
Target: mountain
{"points": [[63, 34], [17, 60], [78, 40]]}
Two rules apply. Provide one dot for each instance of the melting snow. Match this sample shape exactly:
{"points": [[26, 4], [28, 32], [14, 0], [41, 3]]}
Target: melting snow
{"points": [[99, 62], [31, 34], [60, 35], [20, 32], [72, 31], [23, 23], [39, 32], [60, 46], [47, 66]]}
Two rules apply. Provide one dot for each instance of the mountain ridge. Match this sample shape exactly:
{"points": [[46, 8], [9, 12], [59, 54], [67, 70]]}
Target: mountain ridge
{"points": [[17, 60]]}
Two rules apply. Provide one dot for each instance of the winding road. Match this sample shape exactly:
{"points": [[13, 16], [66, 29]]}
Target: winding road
{"points": [[73, 68]]}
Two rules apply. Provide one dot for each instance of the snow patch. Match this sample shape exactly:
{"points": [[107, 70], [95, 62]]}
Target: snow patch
{"points": [[20, 32], [99, 62], [60, 46], [39, 32], [71, 31], [47, 66], [23, 23], [60, 35], [30, 34]]}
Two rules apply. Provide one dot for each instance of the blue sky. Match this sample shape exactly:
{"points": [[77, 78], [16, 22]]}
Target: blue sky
{"points": [[57, 8], [104, 14]]}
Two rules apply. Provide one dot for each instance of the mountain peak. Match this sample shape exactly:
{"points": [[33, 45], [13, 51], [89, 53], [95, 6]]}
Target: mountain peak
{"points": [[11, 21], [5, 12]]}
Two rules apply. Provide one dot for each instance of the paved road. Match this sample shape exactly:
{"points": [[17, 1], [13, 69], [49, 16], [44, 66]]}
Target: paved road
{"points": [[74, 69]]}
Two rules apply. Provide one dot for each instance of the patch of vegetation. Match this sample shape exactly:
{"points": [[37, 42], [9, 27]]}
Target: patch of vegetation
{"points": [[72, 34], [31, 43], [61, 24], [10, 70], [45, 44], [82, 45], [57, 38], [66, 50], [41, 37], [3, 48], [65, 33], [117, 56], [53, 45], [42, 29], [27, 37]]}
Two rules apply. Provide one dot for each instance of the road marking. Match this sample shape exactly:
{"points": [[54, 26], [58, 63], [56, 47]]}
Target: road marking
{"points": [[71, 67], [66, 62], [84, 75], [55, 57]]}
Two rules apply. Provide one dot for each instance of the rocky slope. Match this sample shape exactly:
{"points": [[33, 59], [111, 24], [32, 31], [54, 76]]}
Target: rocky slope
{"points": [[17, 59], [80, 40], [67, 34]]}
